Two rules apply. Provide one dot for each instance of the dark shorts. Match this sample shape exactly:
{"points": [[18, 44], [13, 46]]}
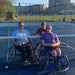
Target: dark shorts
{"points": [[25, 49], [26, 46], [50, 48]]}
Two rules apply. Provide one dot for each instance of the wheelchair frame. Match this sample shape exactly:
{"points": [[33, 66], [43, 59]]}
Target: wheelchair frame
{"points": [[46, 61]]}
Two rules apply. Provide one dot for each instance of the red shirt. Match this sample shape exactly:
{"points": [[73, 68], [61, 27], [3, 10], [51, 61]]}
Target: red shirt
{"points": [[40, 31]]}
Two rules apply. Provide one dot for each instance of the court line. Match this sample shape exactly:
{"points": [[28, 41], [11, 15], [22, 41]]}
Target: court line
{"points": [[52, 23], [68, 45]]}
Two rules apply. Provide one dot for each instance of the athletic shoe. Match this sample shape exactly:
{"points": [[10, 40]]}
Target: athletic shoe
{"points": [[26, 63]]}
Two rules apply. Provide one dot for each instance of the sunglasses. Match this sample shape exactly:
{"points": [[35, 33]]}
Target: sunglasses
{"points": [[43, 24]]}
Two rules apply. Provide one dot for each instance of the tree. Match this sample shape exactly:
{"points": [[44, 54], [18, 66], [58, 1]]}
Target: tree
{"points": [[6, 6]]}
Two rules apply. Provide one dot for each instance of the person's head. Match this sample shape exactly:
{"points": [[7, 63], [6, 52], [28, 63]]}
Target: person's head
{"points": [[21, 25], [49, 28], [43, 25]]}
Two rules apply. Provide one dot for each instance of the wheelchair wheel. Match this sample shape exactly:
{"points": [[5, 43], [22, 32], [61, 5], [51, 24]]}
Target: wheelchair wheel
{"points": [[64, 63], [43, 60], [11, 55]]}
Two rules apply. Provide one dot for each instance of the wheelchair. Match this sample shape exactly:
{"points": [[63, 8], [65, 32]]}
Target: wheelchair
{"points": [[46, 61], [14, 55]]}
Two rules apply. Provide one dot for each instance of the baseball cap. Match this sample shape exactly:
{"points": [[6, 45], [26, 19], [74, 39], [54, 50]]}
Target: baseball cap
{"points": [[43, 23]]}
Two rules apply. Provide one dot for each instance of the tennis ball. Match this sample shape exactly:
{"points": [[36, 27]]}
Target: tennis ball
{"points": [[52, 45], [6, 67]]}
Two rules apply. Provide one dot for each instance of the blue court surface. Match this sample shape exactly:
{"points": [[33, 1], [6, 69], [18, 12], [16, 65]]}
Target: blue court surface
{"points": [[60, 28], [19, 69]]}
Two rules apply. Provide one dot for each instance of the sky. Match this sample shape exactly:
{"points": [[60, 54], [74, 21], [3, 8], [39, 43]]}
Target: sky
{"points": [[35, 1]]}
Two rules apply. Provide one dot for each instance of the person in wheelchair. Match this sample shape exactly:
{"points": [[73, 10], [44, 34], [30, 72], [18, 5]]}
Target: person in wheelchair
{"points": [[23, 45], [50, 40]]}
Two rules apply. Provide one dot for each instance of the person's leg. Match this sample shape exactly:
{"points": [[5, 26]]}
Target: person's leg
{"points": [[22, 51], [58, 50], [28, 48], [54, 54], [58, 55]]}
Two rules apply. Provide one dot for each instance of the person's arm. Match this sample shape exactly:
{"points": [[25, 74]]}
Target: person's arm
{"points": [[14, 43], [56, 44], [37, 32], [51, 45], [44, 44], [57, 41]]}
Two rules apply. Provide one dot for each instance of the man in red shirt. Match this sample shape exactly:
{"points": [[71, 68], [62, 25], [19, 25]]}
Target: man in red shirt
{"points": [[42, 30]]}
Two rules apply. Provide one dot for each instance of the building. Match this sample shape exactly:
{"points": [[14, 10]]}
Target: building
{"points": [[37, 9], [69, 11], [58, 2], [57, 5]]}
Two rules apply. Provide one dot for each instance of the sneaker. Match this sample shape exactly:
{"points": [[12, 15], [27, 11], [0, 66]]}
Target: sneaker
{"points": [[26, 63]]}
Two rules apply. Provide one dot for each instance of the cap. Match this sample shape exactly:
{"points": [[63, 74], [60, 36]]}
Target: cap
{"points": [[43, 23]]}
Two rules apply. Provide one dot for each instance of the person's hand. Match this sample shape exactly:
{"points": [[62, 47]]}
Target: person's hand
{"points": [[20, 44], [52, 45]]}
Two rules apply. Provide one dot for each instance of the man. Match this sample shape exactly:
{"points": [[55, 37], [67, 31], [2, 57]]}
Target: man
{"points": [[22, 44], [51, 41], [42, 30]]}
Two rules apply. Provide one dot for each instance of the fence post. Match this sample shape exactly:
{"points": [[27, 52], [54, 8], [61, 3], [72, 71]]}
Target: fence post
{"points": [[9, 34]]}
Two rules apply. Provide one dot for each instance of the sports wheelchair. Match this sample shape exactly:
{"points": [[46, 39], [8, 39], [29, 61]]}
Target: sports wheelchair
{"points": [[46, 61], [14, 55]]}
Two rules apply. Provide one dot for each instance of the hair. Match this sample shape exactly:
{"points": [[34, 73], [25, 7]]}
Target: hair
{"points": [[20, 23], [43, 23], [49, 26]]}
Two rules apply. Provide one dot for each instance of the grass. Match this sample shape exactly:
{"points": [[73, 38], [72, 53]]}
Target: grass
{"points": [[44, 18]]}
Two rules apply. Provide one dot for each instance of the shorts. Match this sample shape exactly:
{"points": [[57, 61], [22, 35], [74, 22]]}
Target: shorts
{"points": [[50, 48]]}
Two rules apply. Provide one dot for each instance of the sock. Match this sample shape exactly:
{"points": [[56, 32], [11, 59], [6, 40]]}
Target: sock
{"points": [[58, 59], [55, 60]]}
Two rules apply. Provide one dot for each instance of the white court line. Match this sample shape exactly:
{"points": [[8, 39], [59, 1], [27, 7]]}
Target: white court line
{"points": [[39, 24], [67, 35], [68, 46]]}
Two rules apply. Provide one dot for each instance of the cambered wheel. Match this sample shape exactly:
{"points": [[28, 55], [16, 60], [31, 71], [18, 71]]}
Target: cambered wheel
{"points": [[63, 64], [11, 55], [43, 60]]}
